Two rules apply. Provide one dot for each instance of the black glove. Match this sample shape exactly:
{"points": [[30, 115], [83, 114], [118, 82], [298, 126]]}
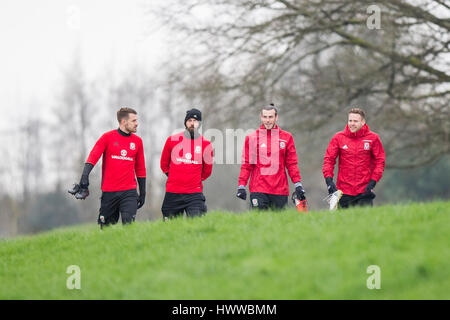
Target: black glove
{"points": [[141, 198], [300, 191], [84, 181], [81, 191], [241, 193], [330, 185], [370, 186]]}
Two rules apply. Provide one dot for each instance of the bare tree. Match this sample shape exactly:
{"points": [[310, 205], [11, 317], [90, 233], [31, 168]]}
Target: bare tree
{"points": [[73, 117], [31, 162], [318, 58]]}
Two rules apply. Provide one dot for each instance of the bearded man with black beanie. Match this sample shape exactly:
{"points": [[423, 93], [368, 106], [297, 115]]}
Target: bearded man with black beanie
{"points": [[187, 161]]}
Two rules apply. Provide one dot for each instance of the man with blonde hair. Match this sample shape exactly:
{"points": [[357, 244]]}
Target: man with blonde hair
{"points": [[361, 163]]}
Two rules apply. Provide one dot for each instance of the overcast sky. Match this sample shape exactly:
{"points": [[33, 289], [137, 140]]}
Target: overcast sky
{"points": [[40, 38]]}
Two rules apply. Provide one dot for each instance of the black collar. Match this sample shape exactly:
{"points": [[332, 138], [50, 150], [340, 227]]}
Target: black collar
{"points": [[124, 134]]}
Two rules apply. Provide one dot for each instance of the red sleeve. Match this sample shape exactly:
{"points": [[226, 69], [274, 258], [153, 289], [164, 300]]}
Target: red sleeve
{"points": [[379, 157], [291, 161], [330, 158], [208, 157], [246, 166], [166, 155], [139, 166], [97, 151]]}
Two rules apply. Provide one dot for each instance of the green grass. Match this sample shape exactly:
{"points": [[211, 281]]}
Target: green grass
{"points": [[255, 255]]}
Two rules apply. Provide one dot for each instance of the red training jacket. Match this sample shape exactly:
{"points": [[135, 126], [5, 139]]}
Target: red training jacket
{"points": [[123, 160], [188, 162], [266, 155], [361, 158]]}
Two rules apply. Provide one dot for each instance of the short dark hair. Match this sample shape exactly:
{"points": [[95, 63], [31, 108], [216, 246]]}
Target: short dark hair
{"points": [[270, 107], [358, 111], [124, 112]]}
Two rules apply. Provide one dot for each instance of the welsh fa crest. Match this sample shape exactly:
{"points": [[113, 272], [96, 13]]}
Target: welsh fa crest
{"points": [[366, 145], [282, 145], [132, 146]]}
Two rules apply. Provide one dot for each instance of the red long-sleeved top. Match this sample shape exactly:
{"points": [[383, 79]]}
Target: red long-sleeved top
{"points": [[123, 160], [188, 162], [266, 156], [361, 158]]}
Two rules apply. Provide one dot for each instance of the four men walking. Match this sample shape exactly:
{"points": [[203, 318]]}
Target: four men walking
{"points": [[187, 160]]}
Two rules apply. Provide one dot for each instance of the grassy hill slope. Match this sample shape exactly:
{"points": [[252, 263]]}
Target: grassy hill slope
{"points": [[254, 255]]}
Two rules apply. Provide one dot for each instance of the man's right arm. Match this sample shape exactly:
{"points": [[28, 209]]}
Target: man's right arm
{"points": [[329, 159], [81, 191], [165, 157], [97, 150], [246, 166], [246, 170]]}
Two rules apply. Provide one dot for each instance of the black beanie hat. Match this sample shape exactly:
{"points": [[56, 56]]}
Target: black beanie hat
{"points": [[193, 113]]}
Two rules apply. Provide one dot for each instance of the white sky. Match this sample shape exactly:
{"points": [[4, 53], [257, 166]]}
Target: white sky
{"points": [[38, 39]]}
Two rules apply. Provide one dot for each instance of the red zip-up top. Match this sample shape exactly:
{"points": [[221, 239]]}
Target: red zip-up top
{"points": [[188, 162], [266, 156], [361, 158], [123, 160]]}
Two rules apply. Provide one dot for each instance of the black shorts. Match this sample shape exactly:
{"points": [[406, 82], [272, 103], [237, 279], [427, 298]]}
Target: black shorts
{"points": [[264, 201], [118, 202], [362, 199], [175, 204]]}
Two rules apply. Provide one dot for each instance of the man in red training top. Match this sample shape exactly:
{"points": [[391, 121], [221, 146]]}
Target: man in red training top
{"points": [[361, 161], [123, 162], [187, 160], [267, 153]]}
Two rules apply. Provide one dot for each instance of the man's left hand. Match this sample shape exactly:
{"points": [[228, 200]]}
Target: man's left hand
{"points": [[370, 186], [300, 191], [141, 200]]}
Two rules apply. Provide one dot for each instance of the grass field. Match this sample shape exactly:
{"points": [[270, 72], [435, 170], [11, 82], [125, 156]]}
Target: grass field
{"points": [[254, 255]]}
